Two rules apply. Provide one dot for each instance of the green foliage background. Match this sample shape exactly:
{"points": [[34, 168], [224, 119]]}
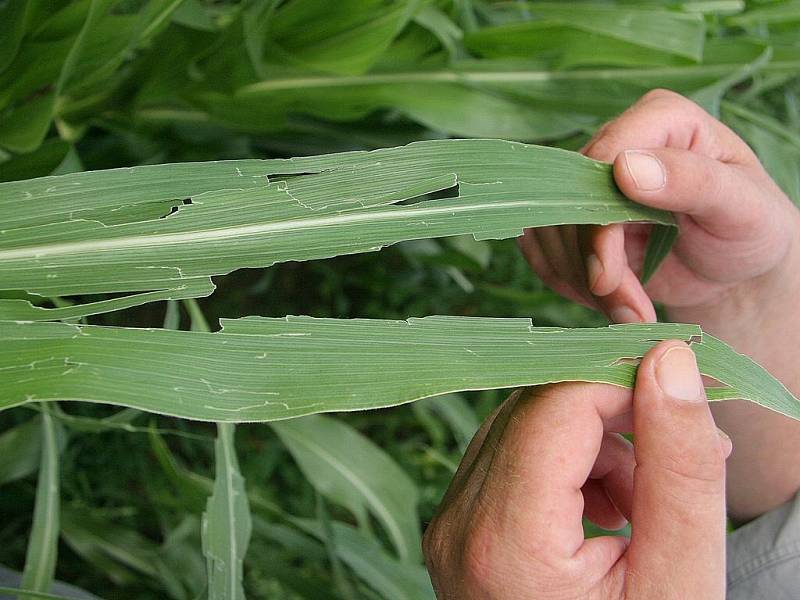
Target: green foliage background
{"points": [[92, 84]]}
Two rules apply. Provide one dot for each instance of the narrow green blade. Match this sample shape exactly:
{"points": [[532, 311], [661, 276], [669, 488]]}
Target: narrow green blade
{"points": [[40, 558], [658, 246], [226, 522]]}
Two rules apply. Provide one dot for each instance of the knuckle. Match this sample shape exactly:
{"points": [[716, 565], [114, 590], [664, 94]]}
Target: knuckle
{"points": [[435, 542], [640, 584], [663, 95], [701, 473], [708, 185], [607, 146], [479, 557]]}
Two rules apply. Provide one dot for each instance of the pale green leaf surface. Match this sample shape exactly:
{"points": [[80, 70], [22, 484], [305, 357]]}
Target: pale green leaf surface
{"points": [[261, 369], [58, 240], [351, 470]]}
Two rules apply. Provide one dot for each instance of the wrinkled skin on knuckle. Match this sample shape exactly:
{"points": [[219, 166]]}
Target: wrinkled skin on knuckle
{"points": [[640, 586], [670, 100], [438, 541], [686, 473], [492, 570], [481, 562], [431, 545], [658, 94]]}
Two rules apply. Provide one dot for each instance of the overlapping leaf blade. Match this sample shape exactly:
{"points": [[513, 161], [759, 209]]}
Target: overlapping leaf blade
{"points": [[261, 369], [112, 231], [352, 471]]}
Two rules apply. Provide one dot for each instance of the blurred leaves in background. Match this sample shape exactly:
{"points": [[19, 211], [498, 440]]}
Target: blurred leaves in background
{"points": [[90, 84]]}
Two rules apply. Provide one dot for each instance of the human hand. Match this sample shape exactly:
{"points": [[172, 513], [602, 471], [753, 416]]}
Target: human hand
{"points": [[738, 231], [509, 526]]}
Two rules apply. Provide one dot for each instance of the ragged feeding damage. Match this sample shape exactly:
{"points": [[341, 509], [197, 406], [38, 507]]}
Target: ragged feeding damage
{"points": [[167, 229], [320, 365]]}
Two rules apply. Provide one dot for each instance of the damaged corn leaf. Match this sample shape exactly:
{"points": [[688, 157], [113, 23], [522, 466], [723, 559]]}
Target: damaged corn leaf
{"points": [[262, 369], [163, 230]]}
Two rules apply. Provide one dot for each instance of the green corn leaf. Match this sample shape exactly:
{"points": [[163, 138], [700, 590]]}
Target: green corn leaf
{"points": [[38, 595], [226, 525], [673, 32], [456, 412], [20, 449], [351, 470], [13, 17], [659, 244], [40, 558], [24, 310], [122, 554], [226, 522], [517, 98], [24, 129], [69, 235], [393, 579], [347, 36], [777, 146], [773, 13], [262, 369]]}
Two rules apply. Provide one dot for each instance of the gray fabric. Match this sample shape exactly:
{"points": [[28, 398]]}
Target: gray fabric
{"points": [[9, 578], [764, 556]]}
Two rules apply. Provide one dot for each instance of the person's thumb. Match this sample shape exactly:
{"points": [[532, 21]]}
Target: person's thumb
{"points": [[723, 198], [678, 541]]}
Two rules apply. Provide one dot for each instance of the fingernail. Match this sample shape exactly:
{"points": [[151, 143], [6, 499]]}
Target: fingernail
{"points": [[677, 375], [646, 170], [625, 314], [594, 270]]}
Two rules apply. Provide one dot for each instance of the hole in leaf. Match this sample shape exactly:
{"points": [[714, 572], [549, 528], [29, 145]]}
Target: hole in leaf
{"points": [[448, 192], [176, 207]]}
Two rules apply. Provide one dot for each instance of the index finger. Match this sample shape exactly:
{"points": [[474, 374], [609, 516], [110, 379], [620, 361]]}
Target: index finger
{"points": [[664, 119]]}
